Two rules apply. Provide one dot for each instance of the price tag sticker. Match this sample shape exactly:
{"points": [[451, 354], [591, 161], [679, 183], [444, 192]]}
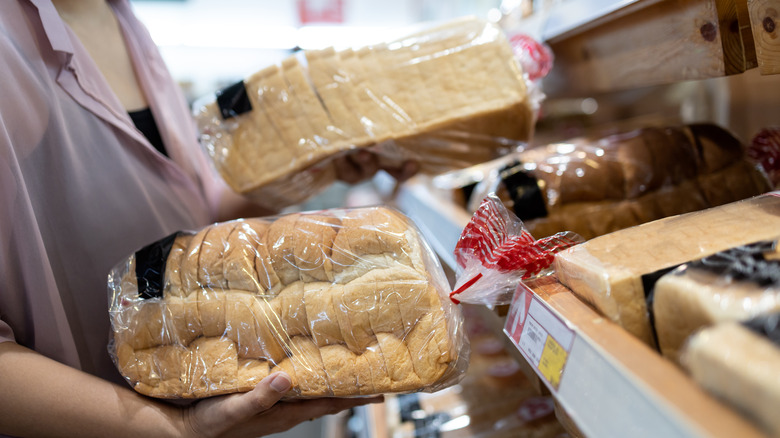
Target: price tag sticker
{"points": [[552, 361], [540, 335]]}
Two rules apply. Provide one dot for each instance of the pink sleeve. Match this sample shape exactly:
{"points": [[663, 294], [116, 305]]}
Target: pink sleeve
{"points": [[6, 334]]}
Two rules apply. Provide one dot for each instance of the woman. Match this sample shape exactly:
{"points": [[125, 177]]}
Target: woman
{"points": [[98, 155]]}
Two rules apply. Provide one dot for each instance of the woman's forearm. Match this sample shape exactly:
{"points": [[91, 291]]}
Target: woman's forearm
{"points": [[42, 397]]}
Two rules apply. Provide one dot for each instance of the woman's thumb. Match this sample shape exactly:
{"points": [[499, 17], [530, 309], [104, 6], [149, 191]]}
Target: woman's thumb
{"points": [[269, 391]]}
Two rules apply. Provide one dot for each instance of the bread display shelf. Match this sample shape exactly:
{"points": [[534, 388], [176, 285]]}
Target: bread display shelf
{"points": [[612, 384], [610, 45]]}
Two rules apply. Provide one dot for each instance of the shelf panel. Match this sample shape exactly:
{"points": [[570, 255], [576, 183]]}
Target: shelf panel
{"points": [[603, 46], [612, 385], [765, 22]]}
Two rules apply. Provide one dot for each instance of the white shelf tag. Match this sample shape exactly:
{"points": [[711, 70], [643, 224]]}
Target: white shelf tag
{"points": [[540, 335]]}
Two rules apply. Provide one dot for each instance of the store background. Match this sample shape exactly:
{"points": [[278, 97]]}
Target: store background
{"points": [[211, 43]]}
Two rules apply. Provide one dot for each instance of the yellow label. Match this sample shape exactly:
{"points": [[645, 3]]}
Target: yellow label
{"points": [[552, 361]]}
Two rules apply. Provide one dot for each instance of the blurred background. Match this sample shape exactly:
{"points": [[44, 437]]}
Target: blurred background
{"points": [[211, 43]]}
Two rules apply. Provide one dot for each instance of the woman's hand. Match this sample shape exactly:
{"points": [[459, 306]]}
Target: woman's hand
{"points": [[361, 165], [259, 412]]}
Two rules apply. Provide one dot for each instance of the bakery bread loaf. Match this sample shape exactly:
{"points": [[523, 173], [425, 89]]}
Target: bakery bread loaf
{"points": [[733, 285], [610, 271], [594, 187], [738, 364], [347, 302], [290, 119]]}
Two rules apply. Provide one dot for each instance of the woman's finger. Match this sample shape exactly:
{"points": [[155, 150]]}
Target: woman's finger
{"points": [[407, 170], [356, 167]]}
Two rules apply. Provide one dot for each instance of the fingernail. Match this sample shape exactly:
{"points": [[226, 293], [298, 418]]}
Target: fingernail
{"points": [[281, 383]]}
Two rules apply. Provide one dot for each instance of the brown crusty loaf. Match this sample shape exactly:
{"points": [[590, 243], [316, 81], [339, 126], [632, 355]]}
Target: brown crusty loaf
{"points": [[594, 187], [461, 75], [346, 302]]}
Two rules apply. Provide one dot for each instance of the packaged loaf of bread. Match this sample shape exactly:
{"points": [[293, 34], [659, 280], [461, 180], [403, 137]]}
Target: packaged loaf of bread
{"points": [[347, 302], [738, 363], [273, 136], [616, 271], [596, 186], [732, 285]]}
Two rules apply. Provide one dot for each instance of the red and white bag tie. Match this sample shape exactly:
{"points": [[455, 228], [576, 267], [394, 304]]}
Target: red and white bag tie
{"points": [[496, 248]]}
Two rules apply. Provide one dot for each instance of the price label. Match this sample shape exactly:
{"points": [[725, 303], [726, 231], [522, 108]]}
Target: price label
{"points": [[552, 361], [540, 335]]}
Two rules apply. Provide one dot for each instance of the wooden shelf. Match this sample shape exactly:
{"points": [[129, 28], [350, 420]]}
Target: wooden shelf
{"points": [[765, 24], [610, 45], [612, 384]]}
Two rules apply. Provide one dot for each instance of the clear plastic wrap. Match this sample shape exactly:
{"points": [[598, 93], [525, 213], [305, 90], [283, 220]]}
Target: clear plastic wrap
{"points": [[348, 302], [732, 285], [406, 99], [596, 186], [615, 272], [738, 363]]}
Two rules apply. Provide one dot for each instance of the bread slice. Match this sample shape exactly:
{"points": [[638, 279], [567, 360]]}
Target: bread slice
{"points": [[306, 359], [322, 313], [182, 319], [280, 243], [333, 86], [313, 242], [316, 120], [340, 367], [292, 310], [214, 368], [398, 363], [172, 276], [375, 117], [250, 373], [190, 263], [211, 272], [241, 325], [211, 309], [738, 366], [380, 377], [241, 249], [691, 298]]}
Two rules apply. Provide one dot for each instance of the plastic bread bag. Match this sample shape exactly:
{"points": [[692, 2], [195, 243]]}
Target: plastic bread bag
{"points": [[738, 362], [495, 252], [348, 302], [596, 186], [616, 272], [296, 116], [732, 285]]}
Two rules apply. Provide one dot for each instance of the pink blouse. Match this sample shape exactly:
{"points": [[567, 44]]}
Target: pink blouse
{"points": [[80, 187]]}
